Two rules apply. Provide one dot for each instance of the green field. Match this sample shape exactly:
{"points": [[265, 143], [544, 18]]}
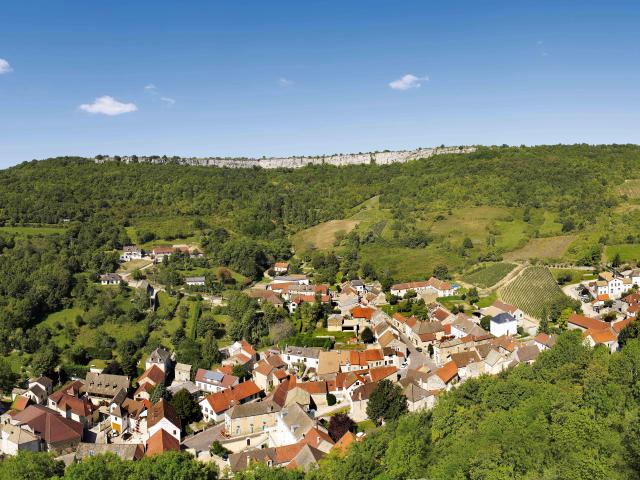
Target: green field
{"points": [[488, 275], [542, 248], [533, 290], [628, 252], [577, 276]]}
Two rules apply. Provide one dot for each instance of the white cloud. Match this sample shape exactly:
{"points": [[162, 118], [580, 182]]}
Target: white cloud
{"points": [[407, 82], [285, 82], [5, 67], [168, 101], [107, 105], [150, 88]]}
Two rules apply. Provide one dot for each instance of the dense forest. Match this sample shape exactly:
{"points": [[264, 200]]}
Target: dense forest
{"points": [[571, 415]]}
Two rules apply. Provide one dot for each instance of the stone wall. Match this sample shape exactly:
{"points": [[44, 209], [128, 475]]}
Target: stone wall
{"points": [[380, 158]]}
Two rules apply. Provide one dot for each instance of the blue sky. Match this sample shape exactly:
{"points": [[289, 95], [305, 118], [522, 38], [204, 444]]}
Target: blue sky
{"points": [[277, 78]]}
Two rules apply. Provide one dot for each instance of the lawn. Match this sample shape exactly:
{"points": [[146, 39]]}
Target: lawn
{"points": [[323, 235], [629, 252], [488, 275], [470, 222], [576, 275], [408, 263], [543, 248], [128, 267], [630, 188]]}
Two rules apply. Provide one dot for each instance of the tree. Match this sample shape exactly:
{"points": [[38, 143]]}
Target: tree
{"points": [[386, 403], [472, 296], [211, 354], [113, 368], [7, 377], [467, 243], [99, 467], [629, 332], [485, 322], [160, 392], [44, 361], [186, 408], [340, 424], [239, 371], [367, 335], [441, 272], [31, 466], [617, 261]]}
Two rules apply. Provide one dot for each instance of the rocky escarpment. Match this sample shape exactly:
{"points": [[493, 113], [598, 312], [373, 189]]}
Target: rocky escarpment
{"points": [[380, 158]]}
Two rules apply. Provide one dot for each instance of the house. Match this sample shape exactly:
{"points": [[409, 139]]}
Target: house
{"points": [[159, 253], [545, 341], [110, 279], [583, 323], [469, 364], [307, 356], [281, 267], [69, 404], [266, 296], [433, 285], [182, 373], [388, 372], [417, 397], [160, 357], [151, 377], [296, 300], [162, 441], [503, 324], [239, 353], [501, 307], [126, 414], [448, 373], [101, 387], [249, 418], [267, 375], [131, 252], [212, 382], [611, 284], [606, 337], [14, 439], [38, 389], [359, 400], [126, 451], [162, 416], [292, 425], [56, 433], [194, 281], [215, 405], [294, 278], [495, 362], [346, 301], [527, 354], [426, 333]]}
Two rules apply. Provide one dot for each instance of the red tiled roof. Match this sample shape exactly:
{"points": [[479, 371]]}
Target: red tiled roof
{"points": [[345, 442], [380, 373], [161, 442], [618, 326], [440, 314], [601, 336], [247, 348], [21, 402], [49, 424], [587, 323], [447, 372], [362, 312], [154, 373], [221, 401]]}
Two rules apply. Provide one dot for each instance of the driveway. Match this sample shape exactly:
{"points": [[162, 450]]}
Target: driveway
{"points": [[571, 292]]}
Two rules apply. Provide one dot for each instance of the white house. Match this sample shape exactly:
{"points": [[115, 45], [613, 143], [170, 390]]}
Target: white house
{"points": [[163, 416], [110, 279], [194, 281], [309, 356], [503, 324], [131, 252], [433, 285]]}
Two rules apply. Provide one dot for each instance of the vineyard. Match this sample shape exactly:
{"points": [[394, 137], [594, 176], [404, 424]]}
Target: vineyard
{"points": [[488, 275], [533, 290]]}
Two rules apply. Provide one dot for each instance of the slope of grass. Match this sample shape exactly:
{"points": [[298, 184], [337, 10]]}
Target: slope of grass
{"points": [[628, 252], [542, 248], [489, 274]]}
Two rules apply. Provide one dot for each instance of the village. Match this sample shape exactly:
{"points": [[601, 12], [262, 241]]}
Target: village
{"points": [[279, 410]]}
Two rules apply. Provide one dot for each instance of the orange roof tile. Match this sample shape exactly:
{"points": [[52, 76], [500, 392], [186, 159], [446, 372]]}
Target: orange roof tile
{"points": [[161, 442], [447, 372]]}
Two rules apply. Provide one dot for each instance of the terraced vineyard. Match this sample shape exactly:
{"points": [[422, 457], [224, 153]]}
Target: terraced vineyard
{"points": [[488, 275], [533, 290]]}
